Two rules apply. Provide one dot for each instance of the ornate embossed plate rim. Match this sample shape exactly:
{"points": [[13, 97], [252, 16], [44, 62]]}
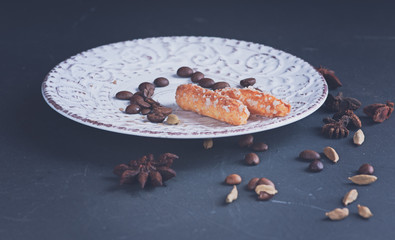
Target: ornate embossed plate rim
{"points": [[184, 135]]}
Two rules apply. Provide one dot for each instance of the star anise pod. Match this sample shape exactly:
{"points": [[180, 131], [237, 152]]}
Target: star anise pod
{"points": [[340, 103], [354, 120], [379, 111], [336, 129], [147, 169], [330, 77]]}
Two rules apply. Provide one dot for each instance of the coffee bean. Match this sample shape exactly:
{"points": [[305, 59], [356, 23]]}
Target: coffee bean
{"points": [[145, 111], [161, 82], [366, 169], [156, 117], [233, 179], [196, 77], [247, 82], [220, 85], [206, 82], [246, 140], [152, 102], [316, 166], [252, 184], [146, 85], [259, 147], [265, 181], [309, 155], [184, 72], [163, 110], [140, 101], [124, 95], [132, 109], [251, 159], [264, 196]]}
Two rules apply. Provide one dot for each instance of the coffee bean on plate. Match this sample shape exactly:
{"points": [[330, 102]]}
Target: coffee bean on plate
{"points": [[163, 110], [252, 184], [161, 82], [366, 168], [196, 77], [206, 82], [259, 147], [220, 85], [316, 166], [124, 95], [247, 82], [309, 155], [145, 111], [246, 140], [251, 159], [233, 179], [156, 117], [184, 72], [132, 109], [146, 85], [140, 101]]}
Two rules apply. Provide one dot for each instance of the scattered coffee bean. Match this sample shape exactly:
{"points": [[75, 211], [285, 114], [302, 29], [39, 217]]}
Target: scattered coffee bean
{"points": [[246, 140], [264, 196], [316, 166], [364, 211], [132, 109], [220, 85], [366, 168], [161, 82], [233, 179], [363, 179], [265, 181], [359, 137], [309, 155], [196, 77], [247, 82], [208, 143], [337, 214], [184, 72], [206, 82], [232, 195], [156, 117], [252, 183], [145, 111], [259, 147], [153, 103], [146, 85], [124, 95], [163, 110], [251, 159], [172, 119], [331, 154], [140, 101], [350, 197]]}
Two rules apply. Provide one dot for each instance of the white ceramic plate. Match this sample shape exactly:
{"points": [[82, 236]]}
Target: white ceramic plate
{"points": [[83, 87]]}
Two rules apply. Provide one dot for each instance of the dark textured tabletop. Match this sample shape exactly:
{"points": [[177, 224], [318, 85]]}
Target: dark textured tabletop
{"points": [[56, 179]]}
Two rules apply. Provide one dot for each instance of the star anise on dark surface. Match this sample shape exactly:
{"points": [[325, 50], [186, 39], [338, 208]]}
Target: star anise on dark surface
{"points": [[354, 120], [340, 103], [379, 112], [147, 170], [336, 128], [330, 77]]}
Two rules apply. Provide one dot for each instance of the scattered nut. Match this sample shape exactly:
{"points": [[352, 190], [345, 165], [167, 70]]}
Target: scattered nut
{"points": [[246, 140], [331, 154], [363, 179], [309, 155], [233, 179], [264, 196], [232, 195], [316, 166], [337, 214], [364, 211], [252, 183], [366, 168], [359, 137], [208, 143], [265, 188], [350, 197], [251, 159], [172, 119]]}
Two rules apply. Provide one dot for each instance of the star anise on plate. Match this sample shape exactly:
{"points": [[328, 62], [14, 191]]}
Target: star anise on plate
{"points": [[340, 103], [336, 128], [330, 77], [147, 169], [379, 112]]}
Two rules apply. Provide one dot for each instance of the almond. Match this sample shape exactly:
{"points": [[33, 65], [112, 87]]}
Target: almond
{"points": [[331, 154], [350, 197], [363, 179]]}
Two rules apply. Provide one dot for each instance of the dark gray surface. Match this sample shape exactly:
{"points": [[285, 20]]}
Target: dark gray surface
{"points": [[56, 178]]}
